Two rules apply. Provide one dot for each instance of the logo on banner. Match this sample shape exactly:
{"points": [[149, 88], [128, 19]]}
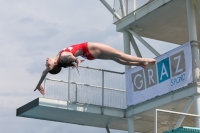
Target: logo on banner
{"points": [[172, 67]]}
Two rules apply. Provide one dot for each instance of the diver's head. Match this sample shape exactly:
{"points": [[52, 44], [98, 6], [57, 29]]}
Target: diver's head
{"points": [[56, 69]]}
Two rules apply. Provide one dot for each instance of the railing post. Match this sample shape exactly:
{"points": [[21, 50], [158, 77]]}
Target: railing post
{"points": [[76, 91], [69, 79], [102, 90], [155, 121]]}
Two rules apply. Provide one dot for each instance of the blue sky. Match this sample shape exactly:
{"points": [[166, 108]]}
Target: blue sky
{"points": [[31, 31]]}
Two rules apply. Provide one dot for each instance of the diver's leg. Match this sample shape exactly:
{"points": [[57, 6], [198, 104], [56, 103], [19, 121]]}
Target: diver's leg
{"points": [[105, 51]]}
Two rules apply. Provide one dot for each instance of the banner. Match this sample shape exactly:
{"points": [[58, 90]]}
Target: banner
{"points": [[172, 71]]}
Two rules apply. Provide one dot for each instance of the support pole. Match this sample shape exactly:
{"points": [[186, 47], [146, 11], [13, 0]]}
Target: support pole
{"points": [[193, 36], [110, 9], [197, 109], [131, 125], [182, 117], [191, 20], [135, 47], [127, 49], [107, 129], [126, 6], [122, 8], [144, 42], [195, 54], [197, 8], [134, 5]]}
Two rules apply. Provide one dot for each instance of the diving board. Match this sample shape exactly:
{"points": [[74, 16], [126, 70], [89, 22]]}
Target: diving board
{"points": [[113, 118], [74, 113]]}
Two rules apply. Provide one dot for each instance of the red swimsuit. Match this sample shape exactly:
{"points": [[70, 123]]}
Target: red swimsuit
{"points": [[81, 46]]}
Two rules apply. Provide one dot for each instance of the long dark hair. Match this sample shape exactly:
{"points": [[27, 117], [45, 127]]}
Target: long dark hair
{"points": [[57, 68]]}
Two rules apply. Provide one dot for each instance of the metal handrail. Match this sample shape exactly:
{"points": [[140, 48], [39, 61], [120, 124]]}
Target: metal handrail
{"points": [[102, 70], [119, 92], [84, 84]]}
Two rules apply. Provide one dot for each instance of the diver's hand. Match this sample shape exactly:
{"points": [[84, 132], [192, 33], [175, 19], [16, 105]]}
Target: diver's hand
{"points": [[78, 62], [41, 90]]}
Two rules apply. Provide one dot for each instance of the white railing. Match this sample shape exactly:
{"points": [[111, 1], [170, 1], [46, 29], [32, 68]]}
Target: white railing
{"points": [[130, 6], [165, 120], [92, 86]]}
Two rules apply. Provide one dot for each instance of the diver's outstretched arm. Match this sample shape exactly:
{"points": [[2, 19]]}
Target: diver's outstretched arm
{"points": [[39, 87]]}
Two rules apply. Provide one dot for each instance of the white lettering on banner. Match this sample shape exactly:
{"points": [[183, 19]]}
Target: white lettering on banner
{"points": [[141, 81], [164, 71], [177, 66], [167, 68], [150, 75]]}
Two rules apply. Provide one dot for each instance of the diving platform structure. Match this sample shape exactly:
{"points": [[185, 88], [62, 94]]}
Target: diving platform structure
{"points": [[100, 100]]}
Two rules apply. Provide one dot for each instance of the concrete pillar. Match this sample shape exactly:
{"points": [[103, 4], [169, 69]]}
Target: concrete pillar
{"points": [[193, 37], [195, 52], [127, 49], [131, 125], [197, 109]]}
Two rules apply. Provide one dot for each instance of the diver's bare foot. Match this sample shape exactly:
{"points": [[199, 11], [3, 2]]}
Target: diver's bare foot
{"points": [[148, 62], [41, 90]]}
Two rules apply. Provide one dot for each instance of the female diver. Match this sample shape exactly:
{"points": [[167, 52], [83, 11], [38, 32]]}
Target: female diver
{"points": [[88, 50]]}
